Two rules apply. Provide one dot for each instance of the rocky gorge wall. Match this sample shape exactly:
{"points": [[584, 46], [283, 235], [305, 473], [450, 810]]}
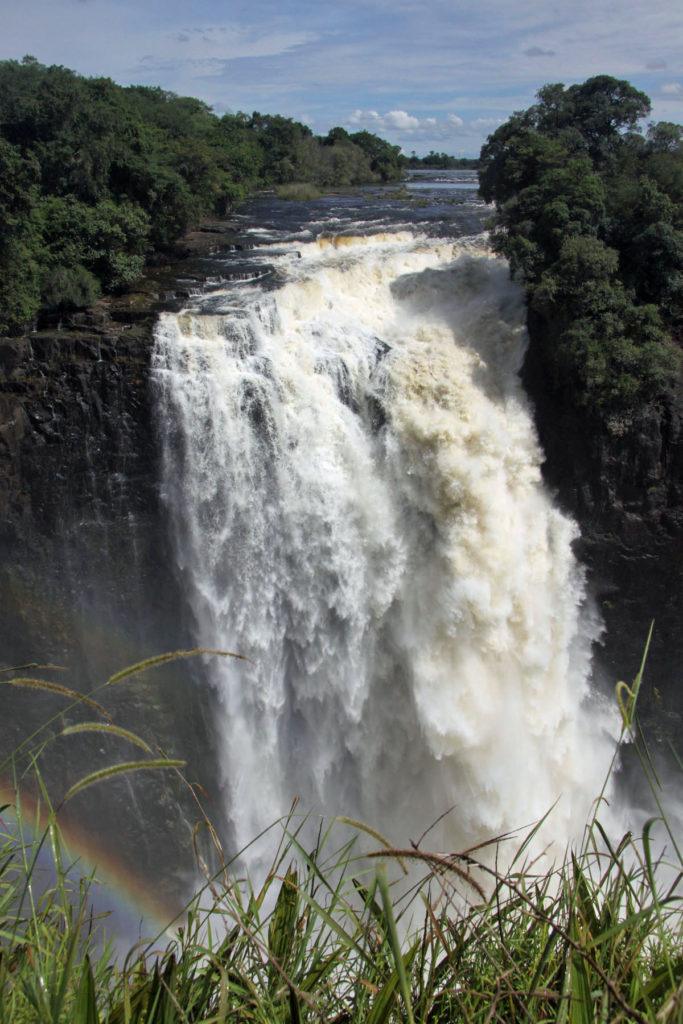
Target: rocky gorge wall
{"points": [[79, 503], [82, 539], [87, 581], [622, 480]]}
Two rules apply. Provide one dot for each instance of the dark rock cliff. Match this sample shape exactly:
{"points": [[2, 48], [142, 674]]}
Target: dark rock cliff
{"points": [[79, 497], [87, 580], [622, 479]]}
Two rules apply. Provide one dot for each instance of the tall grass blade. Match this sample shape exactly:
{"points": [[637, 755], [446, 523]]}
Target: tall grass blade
{"points": [[32, 664], [283, 923], [383, 885], [162, 659], [384, 1001], [581, 1001], [62, 691], [118, 769], [112, 730]]}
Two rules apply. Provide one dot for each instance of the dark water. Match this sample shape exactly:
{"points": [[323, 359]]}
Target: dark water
{"points": [[442, 203]]}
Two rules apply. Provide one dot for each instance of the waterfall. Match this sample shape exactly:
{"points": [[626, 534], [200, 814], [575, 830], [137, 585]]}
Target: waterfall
{"points": [[353, 480]]}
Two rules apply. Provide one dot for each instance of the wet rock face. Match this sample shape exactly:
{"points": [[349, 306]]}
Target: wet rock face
{"points": [[87, 578], [623, 482], [80, 509], [87, 583], [77, 460]]}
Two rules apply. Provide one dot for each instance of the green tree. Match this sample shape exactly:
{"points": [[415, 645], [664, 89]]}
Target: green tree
{"points": [[385, 160], [19, 270], [589, 214]]}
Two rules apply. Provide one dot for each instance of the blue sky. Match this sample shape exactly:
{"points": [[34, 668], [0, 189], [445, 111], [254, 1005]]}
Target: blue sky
{"points": [[436, 74]]}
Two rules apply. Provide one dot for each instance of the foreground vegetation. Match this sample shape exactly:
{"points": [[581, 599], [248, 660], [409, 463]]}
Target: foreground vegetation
{"points": [[328, 936], [589, 212], [95, 178]]}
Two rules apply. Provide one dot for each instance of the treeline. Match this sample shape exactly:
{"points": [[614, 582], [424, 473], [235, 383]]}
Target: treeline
{"points": [[442, 162], [95, 178], [589, 212]]}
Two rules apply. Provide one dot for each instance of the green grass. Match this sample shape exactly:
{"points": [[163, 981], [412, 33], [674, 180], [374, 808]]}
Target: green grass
{"points": [[342, 931]]}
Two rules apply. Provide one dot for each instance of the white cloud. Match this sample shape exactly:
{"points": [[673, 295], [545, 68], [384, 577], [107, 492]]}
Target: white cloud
{"points": [[231, 41], [394, 120], [487, 124], [401, 121], [672, 89], [448, 135]]}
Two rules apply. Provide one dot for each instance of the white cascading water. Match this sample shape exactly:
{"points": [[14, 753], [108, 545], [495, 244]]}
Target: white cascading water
{"points": [[353, 478]]}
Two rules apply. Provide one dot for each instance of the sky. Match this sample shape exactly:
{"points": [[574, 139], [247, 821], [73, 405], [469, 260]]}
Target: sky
{"points": [[424, 74]]}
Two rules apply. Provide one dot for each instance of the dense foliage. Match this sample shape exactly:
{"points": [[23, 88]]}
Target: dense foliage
{"points": [[95, 177], [590, 216]]}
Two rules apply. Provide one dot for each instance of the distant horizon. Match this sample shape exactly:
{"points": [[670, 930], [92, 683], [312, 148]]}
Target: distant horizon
{"points": [[435, 76]]}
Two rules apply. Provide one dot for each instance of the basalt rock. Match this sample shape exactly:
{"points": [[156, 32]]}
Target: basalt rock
{"points": [[81, 517], [87, 580], [621, 477]]}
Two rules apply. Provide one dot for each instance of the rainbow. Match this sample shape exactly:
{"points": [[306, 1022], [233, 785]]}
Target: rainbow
{"points": [[132, 914]]}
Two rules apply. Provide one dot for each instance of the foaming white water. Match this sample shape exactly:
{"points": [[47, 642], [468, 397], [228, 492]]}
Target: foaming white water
{"points": [[353, 478]]}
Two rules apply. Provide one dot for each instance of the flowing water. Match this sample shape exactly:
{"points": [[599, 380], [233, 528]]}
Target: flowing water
{"points": [[352, 478]]}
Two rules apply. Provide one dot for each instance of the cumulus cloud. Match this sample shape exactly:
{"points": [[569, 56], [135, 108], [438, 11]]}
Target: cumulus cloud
{"points": [[486, 124], [447, 134], [672, 89], [402, 121]]}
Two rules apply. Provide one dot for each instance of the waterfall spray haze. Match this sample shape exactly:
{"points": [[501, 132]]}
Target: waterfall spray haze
{"points": [[353, 481]]}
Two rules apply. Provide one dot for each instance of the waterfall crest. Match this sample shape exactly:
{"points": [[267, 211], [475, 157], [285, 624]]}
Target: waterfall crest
{"points": [[353, 480]]}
